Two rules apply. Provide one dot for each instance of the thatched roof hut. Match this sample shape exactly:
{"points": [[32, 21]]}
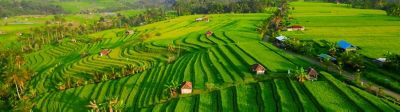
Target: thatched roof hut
{"points": [[258, 68]]}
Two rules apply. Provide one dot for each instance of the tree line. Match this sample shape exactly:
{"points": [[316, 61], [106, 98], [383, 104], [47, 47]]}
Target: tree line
{"points": [[55, 31], [185, 7], [13, 8]]}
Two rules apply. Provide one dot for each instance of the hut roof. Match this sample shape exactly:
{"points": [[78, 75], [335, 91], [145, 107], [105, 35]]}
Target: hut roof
{"points": [[344, 45], [312, 72], [326, 56], [381, 60], [281, 38], [257, 67], [105, 52], [186, 85]]}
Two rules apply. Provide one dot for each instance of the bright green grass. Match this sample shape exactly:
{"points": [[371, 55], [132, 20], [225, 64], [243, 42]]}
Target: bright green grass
{"points": [[371, 30]]}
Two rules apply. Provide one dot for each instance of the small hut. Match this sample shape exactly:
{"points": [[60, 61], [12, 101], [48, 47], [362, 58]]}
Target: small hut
{"points": [[280, 41], [204, 18], [345, 46], [209, 33], [380, 61], [296, 28], [258, 69], [129, 32], [281, 38], [186, 87], [105, 52], [312, 74], [199, 19], [327, 57]]}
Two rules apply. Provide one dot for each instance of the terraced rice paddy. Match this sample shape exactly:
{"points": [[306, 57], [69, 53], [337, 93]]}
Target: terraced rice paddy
{"points": [[218, 66]]}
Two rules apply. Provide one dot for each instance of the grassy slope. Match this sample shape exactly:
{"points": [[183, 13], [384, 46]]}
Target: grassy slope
{"points": [[371, 30], [222, 60]]}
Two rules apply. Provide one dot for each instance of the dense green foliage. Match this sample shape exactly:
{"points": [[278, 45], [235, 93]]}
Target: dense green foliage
{"points": [[12, 8], [392, 9], [392, 61], [184, 7]]}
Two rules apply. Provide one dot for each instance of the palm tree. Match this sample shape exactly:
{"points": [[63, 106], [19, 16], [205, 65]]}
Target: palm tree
{"points": [[78, 82], [262, 29], [332, 48], [93, 106], [111, 102], [61, 86], [301, 74], [340, 67], [357, 76], [18, 79], [171, 48], [19, 61], [171, 88]]}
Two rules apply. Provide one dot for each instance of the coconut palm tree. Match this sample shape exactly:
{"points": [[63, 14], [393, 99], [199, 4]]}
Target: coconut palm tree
{"points": [[16, 78], [111, 102], [171, 48], [357, 76], [339, 66], [301, 74], [19, 61], [78, 82], [172, 87], [332, 48], [61, 86], [262, 29], [130, 69]]}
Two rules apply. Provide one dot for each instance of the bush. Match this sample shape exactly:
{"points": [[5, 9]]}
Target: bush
{"points": [[392, 61]]}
